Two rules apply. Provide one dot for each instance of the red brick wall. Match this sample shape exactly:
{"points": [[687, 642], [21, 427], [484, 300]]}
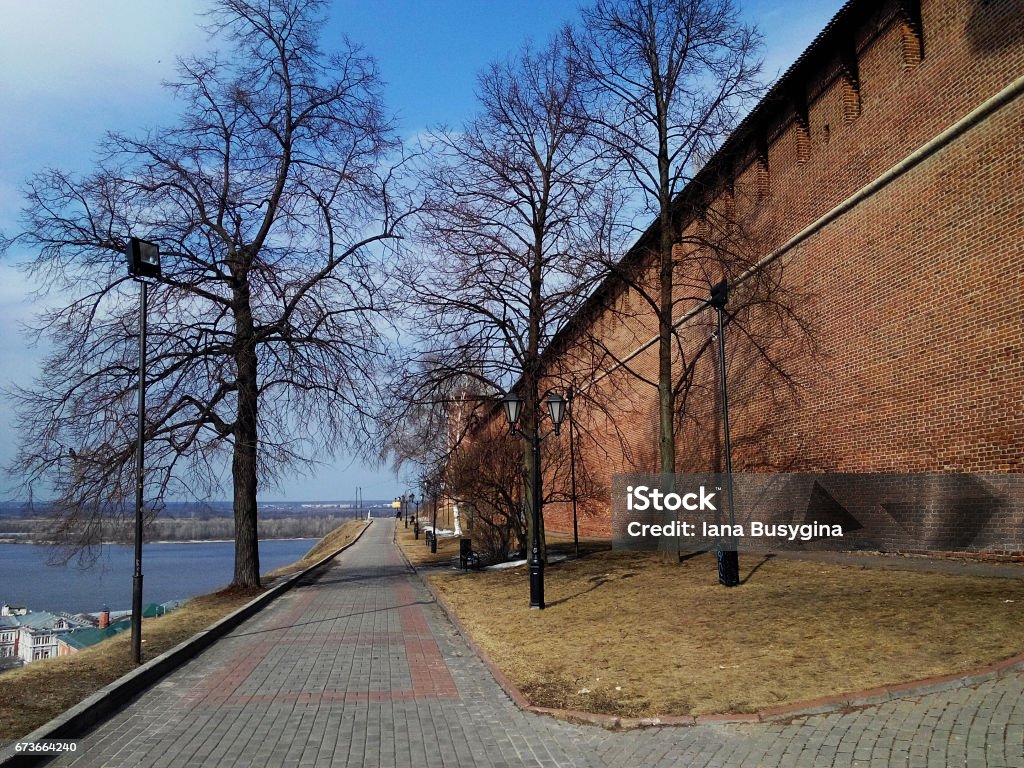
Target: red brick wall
{"points": [[911, 357]]}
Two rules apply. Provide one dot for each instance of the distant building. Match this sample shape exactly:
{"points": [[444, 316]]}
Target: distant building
{"points": [[8, 636], [85, 637], [27, 636], [107, 625], [37, 635]]}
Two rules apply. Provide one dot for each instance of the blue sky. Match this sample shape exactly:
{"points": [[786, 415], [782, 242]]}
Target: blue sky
{"points": [[72, 69]]}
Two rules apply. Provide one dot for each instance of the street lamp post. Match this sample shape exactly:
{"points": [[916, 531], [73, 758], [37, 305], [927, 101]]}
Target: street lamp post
{"points": [[416, 515], [556, 409], [433, 539], [728, 559], [143, 261]]}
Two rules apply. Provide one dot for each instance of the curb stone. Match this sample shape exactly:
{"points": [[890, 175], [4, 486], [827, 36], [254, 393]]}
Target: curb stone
{"points": [[77, 720], [839, 703]]}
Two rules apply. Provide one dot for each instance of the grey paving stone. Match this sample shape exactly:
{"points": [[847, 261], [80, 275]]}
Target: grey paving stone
{"points": [[328, 676]]}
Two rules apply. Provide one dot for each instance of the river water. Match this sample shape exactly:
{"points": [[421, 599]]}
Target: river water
{"points": [[171, 571]]}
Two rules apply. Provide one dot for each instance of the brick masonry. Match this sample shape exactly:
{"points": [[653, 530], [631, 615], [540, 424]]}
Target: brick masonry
{"points": [[892, 339]]}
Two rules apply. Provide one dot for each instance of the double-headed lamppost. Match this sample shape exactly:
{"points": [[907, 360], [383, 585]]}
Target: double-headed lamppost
{"points": [[556, 409], [728, 558], [143, 262]]}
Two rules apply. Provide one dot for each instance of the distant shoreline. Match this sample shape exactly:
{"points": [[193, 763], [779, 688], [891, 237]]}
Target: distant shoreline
{"points": [[44, 543]]}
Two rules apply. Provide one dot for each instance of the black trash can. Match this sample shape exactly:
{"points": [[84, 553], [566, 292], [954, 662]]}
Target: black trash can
{"points": [[465, 551], [728, 567]]}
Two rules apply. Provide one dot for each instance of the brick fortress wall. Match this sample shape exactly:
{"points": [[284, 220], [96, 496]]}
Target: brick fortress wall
{"points": [[892, 338]]}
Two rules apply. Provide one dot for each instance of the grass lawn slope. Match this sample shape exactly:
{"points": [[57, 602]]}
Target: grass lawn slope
{"points": [[626, 634]]}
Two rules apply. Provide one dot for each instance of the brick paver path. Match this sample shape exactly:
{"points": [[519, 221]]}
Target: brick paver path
{"points": [[360, 668]]}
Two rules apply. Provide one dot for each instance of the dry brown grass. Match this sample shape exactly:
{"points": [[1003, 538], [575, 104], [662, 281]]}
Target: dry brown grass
{"points": [[417, 551], [332, 542], [38, 692], [627, 634]]}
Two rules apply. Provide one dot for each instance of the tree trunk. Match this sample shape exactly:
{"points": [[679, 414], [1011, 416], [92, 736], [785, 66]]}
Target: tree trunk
{"points": [[666, 402], [243, 462], [533, 479], [532, 405], [666, 398], [666, 279]]}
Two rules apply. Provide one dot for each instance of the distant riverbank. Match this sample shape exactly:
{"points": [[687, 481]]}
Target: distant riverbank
{"points": [[184, 530]]}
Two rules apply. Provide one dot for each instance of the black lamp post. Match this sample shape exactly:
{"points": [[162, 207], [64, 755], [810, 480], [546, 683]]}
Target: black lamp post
{"points": [[728, 559], [143, 262], [416, 515], [433, 538], [556, 410]]}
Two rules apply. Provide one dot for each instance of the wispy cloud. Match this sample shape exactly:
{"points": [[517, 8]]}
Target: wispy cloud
{"points": [[71, 70]]}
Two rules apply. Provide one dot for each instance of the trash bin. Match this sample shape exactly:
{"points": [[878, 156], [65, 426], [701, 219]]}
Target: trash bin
{"points": [[728, 567], [465, 551]]}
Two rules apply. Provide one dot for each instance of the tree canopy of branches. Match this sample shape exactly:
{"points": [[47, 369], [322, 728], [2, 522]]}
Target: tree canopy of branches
{"points": [[270, 202], [667, 80], [516, 208]]}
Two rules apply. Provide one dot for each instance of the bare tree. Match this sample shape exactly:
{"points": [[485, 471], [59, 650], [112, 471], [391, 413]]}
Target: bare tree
{"points": [[270, 202], [516, 210], [668, 80]]}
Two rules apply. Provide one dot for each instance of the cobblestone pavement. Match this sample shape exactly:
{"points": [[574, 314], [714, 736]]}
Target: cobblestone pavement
{"points": [[359, 667]]}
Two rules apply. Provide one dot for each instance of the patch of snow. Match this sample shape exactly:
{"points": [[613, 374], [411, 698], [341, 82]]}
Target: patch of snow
{"points": [[517, 563]]}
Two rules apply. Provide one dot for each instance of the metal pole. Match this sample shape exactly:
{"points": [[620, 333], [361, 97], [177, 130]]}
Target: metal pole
{"points": [[433, 539], [729, 571], [536, 563], [139, 479], [572, 472]]}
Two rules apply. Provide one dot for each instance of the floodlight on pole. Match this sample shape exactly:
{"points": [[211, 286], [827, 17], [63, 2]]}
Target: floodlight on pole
{"points": [[143, 261], [143, 258]]}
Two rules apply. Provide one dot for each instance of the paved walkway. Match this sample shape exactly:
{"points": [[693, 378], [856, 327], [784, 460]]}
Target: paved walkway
{"points": [[359, 667]]}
